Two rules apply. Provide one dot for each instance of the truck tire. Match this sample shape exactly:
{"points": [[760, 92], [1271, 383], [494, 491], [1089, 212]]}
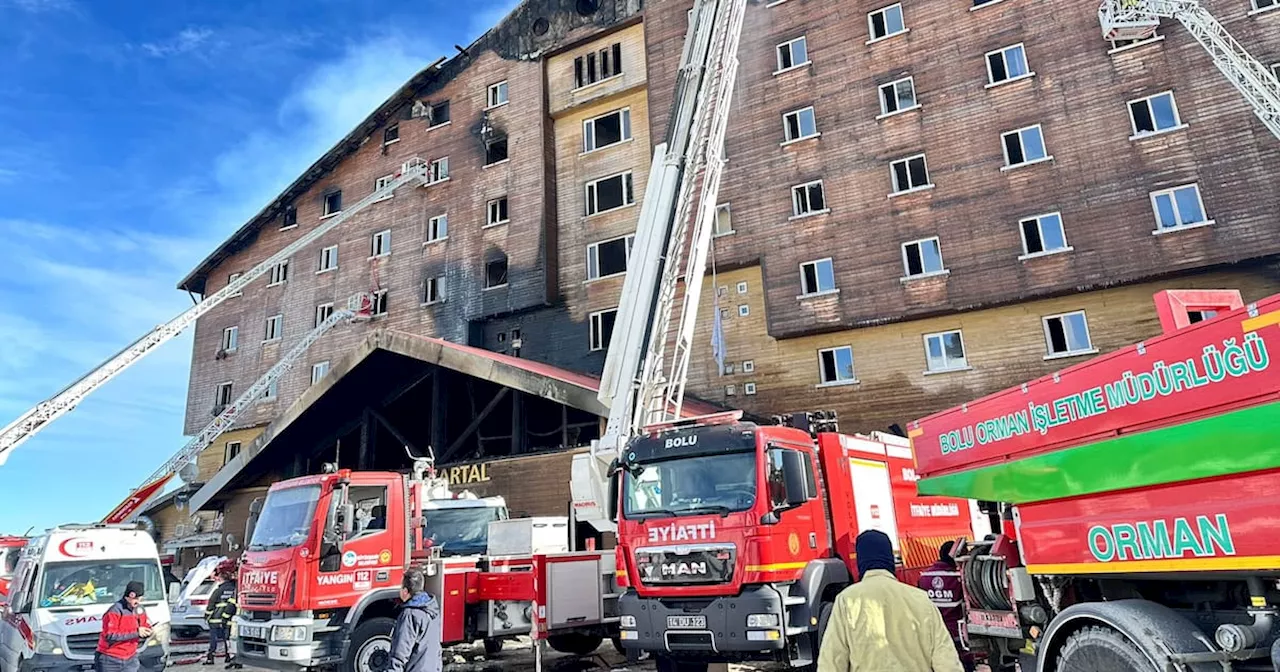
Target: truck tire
{"points": [[492, 646], [370, 646], [575, 643], [1101, 649]]}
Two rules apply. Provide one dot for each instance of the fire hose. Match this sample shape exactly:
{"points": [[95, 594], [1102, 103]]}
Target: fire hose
{"points": [[986, 582]]}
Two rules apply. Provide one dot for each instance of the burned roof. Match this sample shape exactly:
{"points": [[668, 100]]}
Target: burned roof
{"points": [[532, 30]]}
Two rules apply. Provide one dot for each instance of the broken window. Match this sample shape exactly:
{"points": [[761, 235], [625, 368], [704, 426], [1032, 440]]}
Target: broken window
{"points": [[332, 203], [380, 244], [609, 257], [910, 173], [602, 328], [323, 312], [922, 257], [275, 328], [437, 228], [793, 54], [278, 274], [724, 220], [1154, 114], [230, 451], [597, 66], [817, 277], [897, 96], [808, 199], [606, 130], [945, 352], [1043, 234], [221, 397], [495, 150], [433, 290], [1025, 145], [438, 170], [391, 134], [886, 22], [1007, 64], [609, 193], [836, 365], [1067, 334], [328, 259], [290, 218], [230, 339], [799, 125], [495, 273], [438, 114], [497, 94], [498, 213], [380, 302]]}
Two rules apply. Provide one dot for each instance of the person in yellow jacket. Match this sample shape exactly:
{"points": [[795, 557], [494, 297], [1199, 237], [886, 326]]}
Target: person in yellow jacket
{"points": [[880, 624]]}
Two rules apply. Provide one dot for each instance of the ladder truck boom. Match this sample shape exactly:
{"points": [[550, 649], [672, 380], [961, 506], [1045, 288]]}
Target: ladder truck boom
{"points": [[1138, 19], [49, 410], [642, 382], [359, 308]]}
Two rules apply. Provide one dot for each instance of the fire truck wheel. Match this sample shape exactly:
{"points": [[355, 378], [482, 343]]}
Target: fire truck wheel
{"points": [[370, 646], [492, 646], [1100, 649], [824, 617], [575, 643]]}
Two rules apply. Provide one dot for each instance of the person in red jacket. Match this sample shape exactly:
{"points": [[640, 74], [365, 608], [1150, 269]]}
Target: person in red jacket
{"points": [[942, 582], [124, 627]]}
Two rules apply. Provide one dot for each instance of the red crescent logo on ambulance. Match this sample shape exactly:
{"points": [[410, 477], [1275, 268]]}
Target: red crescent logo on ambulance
{"points": [[76, 547]]}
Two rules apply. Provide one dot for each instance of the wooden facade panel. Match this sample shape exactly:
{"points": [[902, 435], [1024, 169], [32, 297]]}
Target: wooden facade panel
{"points": [[563, 91]]}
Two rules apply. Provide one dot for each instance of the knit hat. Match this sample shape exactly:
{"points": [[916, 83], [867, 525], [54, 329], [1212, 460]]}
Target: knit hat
{"points": [[874, 551], [944, 553], [134, 589]]}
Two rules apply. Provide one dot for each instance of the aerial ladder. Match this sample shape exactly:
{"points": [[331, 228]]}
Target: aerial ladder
{"points": [[359, 309], [32, 421], [648, 360], [1138, 20]]}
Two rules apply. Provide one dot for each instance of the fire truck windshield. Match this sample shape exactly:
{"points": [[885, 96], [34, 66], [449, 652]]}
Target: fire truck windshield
{"points": [[286, 518], [9, 560], [720, 483], [78, 584], [460, 530]]}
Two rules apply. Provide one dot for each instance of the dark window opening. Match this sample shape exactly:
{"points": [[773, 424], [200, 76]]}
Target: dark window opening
{"points": [[1031, 231], [602, 329], [391, 134], [1057, 336], [290, 217], [996, 61], [495, 151], [495, 273], [1013, 146], [915, 265], [333, 203], [439, 114], [594, 67], [611, 257], [1194, 316], [1142, 121]]}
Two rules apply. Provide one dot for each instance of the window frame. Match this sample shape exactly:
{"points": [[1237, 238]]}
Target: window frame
{"points": [[326, 206], [1039, 223], [430, 283], [591, 192], [871, 31], [438, 170], [380, 306], [624, 130], [272, 391], [589, 67], [494, 203], [328, 253], [322, 368], [796, 190], [907, 275], [278, 274], [289, 220], [1026, 63], [596, 340], [231, 278], [1004, 147], [838, 381], [799, 119], [230, 339], [893, 175], [325, 309], [1048, 341], [432, 233], [506, 262], [392, 130], [805, 293], [1178, 125], [228, 454], [884, 108], [777, 53], [929, 370], [1171, 191], [1255, 9], [218, 395], [593, 250], [715, 227], [278, 321], [432, 121], [491, 100], [380, 244]]}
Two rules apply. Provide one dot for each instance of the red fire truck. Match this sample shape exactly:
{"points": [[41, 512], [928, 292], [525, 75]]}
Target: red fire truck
{"points": [[10, 549], [734, 538], [1140, 490], [319, 582]]}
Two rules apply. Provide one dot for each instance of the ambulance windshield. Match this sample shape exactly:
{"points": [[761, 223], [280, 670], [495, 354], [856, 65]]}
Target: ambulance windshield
{"points": [[721, 483], [78, 584], [286, 518]]}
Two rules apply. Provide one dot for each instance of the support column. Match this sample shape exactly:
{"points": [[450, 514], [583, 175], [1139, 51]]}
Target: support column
{"points": [[519, 441]]}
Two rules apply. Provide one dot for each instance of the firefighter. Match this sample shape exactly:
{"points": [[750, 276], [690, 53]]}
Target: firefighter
{"points": [[219, 612], [124, 626], [880, 624], [942, 583]]}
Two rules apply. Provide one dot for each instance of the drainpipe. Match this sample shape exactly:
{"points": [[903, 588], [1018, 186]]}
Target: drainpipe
{"points": [[1235, 638]]}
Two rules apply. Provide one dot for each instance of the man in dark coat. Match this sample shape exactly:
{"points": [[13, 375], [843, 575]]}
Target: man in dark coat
{"points": [[415, 642], [942, 582], [124, 627]]}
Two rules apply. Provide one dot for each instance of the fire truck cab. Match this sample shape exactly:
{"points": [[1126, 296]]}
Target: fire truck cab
{"points": [[10, 551]]}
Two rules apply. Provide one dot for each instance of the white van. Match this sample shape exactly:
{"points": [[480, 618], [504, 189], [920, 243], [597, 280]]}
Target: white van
{"points": [[64, 584]]}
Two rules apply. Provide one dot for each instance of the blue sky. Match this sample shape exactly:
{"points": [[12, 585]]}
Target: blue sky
{"points": [[134, 137]]}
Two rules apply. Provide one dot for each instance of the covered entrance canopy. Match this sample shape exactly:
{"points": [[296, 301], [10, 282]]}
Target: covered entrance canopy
{"points": [[399, 391]]}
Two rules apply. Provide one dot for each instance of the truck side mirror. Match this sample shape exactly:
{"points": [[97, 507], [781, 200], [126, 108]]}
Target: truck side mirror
{"points": [[255, 511], [615, 486], [794, 479]]}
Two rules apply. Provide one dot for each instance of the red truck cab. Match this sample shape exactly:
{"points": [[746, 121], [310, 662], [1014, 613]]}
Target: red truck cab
{"points": [[10, 551], [736, 537]]}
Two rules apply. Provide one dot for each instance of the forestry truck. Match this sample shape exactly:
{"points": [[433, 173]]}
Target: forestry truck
{"points": [[735, 538], [1140, 493], [320, 580]]}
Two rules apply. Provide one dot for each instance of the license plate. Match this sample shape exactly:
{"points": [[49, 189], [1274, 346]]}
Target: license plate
{"points": [[686, 622], [254, 631]]}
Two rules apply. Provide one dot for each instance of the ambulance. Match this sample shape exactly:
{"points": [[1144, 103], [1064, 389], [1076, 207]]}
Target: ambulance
{"points": [[64, 583]]}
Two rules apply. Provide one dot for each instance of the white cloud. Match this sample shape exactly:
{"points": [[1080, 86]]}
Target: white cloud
{"points": [[38, 6], [186, 41]]}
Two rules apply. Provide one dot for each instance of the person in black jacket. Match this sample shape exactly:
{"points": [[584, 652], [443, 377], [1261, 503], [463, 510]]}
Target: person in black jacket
{"points": [[415, 641], [219, 612]]}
